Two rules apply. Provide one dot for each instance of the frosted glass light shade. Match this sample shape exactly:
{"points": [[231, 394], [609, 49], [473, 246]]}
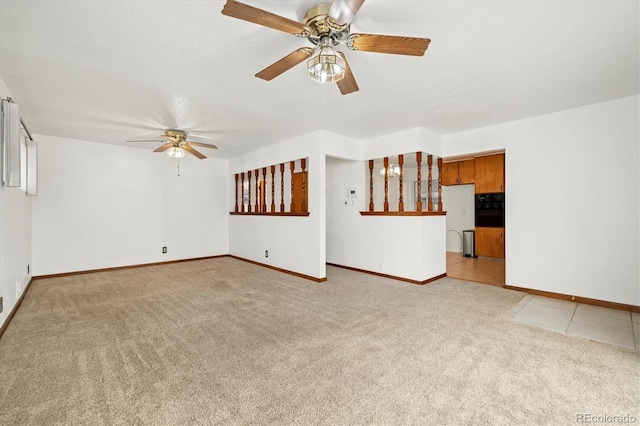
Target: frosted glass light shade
{"points": [[325, 66], [175, 152]]}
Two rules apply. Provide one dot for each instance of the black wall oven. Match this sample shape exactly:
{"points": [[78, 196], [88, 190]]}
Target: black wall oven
{"points": [[490, 210]]}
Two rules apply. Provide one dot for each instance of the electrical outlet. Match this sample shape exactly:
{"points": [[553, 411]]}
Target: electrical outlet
{"points": [[164, 249], [266, 253]]}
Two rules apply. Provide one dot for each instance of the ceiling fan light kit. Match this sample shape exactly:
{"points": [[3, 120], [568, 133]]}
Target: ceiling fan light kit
{"points": [[176, 152], [325, 66], [176, 144], [326, 25], [391, 171]]}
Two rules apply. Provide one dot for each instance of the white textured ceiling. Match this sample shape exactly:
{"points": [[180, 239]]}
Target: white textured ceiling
{"points": [[109, 71]]}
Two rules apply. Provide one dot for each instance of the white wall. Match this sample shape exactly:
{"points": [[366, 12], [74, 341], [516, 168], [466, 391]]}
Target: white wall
{"points": [[102, 205], [15, 239], [408, 247], [412, 140], [390, 145], [294, 243], [363, 241], [571, 198], [343, 213], [433, 254], [458, 201]]}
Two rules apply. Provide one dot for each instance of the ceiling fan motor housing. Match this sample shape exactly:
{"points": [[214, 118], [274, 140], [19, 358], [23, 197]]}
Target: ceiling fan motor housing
{"points": [[176, 135], [321, 26]]}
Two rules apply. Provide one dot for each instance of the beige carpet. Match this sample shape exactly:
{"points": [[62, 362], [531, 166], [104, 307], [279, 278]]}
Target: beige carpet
{"points": [[222, 341]]}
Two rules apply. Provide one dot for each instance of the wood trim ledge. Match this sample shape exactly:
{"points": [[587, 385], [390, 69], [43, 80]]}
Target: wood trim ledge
{"points": [[578, 299], [422, 213], [268, 214], [15, 308], [393, 277], [117, 268], [286, 271]]}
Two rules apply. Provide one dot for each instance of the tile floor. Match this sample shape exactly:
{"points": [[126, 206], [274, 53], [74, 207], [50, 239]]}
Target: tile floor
{"points": [[621, 328], [606, 325]]}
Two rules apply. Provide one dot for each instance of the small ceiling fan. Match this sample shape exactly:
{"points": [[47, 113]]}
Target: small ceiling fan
{"points": [[176, 144], [325, 25]]}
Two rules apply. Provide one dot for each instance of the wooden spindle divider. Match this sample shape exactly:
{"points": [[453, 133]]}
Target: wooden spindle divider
{"points": [[245, 202], [273, 189], [429, 184], [242, 195], [292, 167], [419, 200], [370, 185], [303, 165], [422, 208], [439, 184], [236, 208], [400, 199], [261, 181], [257, 191], [386, 184], [263, 191], [249, 186], [281, 187]]}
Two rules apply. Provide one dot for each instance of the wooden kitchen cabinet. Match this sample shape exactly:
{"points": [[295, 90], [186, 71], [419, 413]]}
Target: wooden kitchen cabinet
{"points": [[450, 173], [458, 172], [467, 171], [489, 174], [490, 242]]}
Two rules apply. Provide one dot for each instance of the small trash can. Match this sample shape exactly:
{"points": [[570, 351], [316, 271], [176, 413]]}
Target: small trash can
{"points": [[469, 243]]}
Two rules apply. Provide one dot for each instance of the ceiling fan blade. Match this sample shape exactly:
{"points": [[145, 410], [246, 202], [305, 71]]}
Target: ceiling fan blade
{"points": [[164, 147], [192, 151], [204, 145], [389, 44], [348, 83], [343, 11], [248, 13], [285, 64], [148, 140]]}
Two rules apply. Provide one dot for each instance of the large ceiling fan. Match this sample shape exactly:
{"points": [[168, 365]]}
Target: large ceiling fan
{"points": [[176, 144], [325, 25]]}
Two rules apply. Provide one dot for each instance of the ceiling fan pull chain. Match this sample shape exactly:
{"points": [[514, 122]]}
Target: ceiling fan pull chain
{"points": [[178, 166]]}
